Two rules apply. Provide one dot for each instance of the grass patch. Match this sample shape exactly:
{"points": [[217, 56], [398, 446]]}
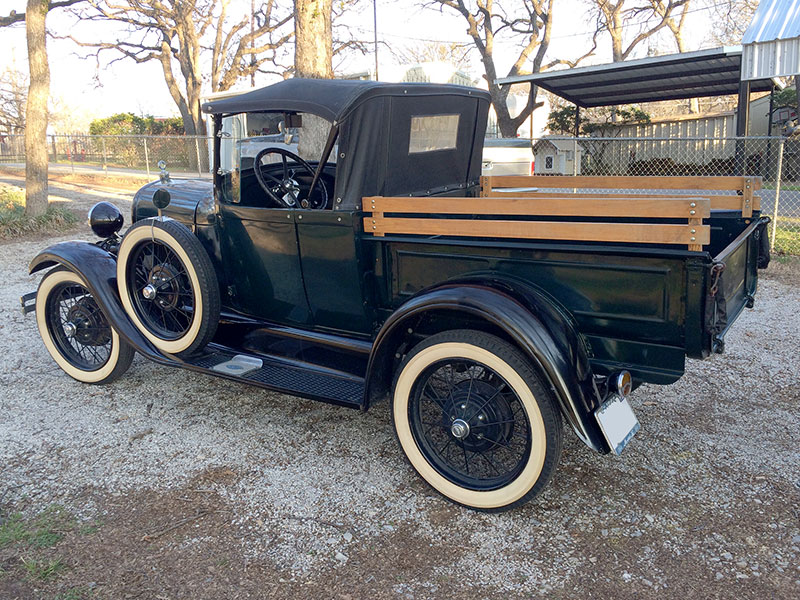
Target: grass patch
{"points": [[43, 570], [14, 223], [787, 235], [43, 531], [78, 593]]}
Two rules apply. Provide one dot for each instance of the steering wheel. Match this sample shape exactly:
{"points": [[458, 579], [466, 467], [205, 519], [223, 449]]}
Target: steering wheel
{"points": [[284, 190]]}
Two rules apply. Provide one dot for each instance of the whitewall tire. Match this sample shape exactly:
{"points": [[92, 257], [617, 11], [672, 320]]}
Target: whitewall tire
{"points": [[476, 421], [75, 331], [168, 286]]}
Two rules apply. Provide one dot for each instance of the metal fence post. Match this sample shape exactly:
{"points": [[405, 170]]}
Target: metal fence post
{"points": [[105, 158], [71, 153], [574, 157], [146, 158], [778, 176], [197, 147]]}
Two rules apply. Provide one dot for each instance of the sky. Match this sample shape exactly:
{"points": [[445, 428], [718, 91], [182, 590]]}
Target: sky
{"points": [[80, 86]]}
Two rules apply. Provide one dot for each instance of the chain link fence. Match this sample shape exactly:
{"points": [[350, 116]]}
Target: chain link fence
{"points": [[137, 154], [775, 159]]}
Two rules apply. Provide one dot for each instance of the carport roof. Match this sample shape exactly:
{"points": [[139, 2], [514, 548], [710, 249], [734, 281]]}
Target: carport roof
{"points": [[714, 72]]}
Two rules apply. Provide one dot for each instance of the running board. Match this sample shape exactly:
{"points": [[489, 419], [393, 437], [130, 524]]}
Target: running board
{"points": [[273, 373]]}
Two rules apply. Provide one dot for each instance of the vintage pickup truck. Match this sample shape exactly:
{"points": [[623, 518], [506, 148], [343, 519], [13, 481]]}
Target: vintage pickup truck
{"points": [[486, 309]]}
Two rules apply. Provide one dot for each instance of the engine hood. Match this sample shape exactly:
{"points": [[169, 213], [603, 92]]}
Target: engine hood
{"points": [[185, 195]]}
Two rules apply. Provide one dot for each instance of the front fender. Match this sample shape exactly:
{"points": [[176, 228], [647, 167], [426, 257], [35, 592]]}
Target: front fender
{"points": [[98, 269], [541, 329]]}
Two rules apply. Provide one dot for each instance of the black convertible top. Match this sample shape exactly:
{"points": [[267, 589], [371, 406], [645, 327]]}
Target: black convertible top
{"points": [[331, 99]]}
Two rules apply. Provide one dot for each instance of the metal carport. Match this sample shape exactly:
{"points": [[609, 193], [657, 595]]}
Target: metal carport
{"points": [[715, 72]]}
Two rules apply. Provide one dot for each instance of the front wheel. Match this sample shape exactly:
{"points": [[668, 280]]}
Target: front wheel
{"points": [[476, 421], [168, 286], [75, 331]]}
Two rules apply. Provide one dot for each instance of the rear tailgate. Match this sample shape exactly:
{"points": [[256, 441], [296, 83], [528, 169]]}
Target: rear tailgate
{"points": [[731, 285]]}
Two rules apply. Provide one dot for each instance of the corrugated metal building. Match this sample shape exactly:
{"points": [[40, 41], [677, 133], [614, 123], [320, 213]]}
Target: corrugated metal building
{"points": [[772, 42]]}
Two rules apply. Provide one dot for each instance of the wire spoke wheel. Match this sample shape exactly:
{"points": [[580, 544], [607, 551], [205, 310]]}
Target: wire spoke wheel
{"points": [[469, 424], [475, 420], [79, 328], [76, 331], [163, 296], [168, 286]]}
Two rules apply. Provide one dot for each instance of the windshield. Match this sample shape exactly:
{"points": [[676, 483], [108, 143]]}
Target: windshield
{"points": [[245, 135]]}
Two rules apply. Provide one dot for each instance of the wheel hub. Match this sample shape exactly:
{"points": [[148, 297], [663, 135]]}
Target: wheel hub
{"points": [[149, 292], [460, 428], [86, 324], [480, 415], [163, 286]]}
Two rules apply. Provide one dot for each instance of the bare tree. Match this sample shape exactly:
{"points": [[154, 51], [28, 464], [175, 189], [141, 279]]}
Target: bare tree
{"points": [[643, 20], [313, 50], [453, 53], [13, 99], [179, 34], [313, 57], [36, 104], [675, 23], [529, 22], [731, 19]]}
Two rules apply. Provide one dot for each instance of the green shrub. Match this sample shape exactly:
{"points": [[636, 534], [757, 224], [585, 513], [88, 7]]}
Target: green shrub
{"points": [[14, 223]]}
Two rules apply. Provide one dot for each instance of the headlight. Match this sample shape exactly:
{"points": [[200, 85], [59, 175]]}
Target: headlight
{"points": [[105, 219]]}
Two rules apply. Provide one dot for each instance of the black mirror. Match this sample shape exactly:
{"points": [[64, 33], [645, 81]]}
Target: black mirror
{"points": [[161, 199]]}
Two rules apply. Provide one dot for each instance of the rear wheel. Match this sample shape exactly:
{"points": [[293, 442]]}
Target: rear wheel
{"points": [[168, 286], [476, 421], [75, 331]]}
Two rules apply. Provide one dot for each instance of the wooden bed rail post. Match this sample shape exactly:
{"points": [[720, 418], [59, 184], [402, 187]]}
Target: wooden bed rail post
{"points": [[486, 186]]}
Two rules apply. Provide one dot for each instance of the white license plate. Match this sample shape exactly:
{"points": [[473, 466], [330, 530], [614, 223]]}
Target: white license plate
{"points": [[617, 422]]}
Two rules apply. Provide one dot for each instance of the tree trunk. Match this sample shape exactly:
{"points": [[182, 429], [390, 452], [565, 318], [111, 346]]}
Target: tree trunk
{"points": [[313, 39], [313, 52], [36, 125]]}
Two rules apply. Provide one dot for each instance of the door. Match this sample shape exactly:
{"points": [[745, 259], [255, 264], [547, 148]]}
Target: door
{"points": [[261, 254], [338, 274]]}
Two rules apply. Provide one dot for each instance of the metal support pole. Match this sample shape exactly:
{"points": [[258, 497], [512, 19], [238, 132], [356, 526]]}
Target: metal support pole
{"points": [[575, 140], [146, 158], [742, 123], [197, 147], [769, 128], [105, 157], [778, 176], [375, 32]]}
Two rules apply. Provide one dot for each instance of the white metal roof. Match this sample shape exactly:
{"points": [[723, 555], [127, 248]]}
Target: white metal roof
{"points": [[772, 42]]}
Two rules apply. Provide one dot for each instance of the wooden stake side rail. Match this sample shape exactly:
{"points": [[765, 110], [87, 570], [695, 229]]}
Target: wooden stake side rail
{"points": [[718, 202], [693, 233], [742, 186]]}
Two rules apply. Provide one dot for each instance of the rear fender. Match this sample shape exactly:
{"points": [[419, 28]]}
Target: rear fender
{"points": [[530, 318], [98, 269]]}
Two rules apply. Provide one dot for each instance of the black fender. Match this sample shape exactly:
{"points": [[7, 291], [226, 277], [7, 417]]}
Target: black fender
{"points": [[98, 269], [531, 318]]}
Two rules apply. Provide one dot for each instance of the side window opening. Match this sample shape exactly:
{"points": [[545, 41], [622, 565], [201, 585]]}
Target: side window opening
{"points": [[432, 133]]}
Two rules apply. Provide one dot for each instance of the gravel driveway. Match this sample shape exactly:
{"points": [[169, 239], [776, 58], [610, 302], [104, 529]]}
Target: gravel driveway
{"points": [[205, 488]]}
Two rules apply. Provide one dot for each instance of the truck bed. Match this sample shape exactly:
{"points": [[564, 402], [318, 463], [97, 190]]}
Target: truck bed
{"points": [[642, 292]]}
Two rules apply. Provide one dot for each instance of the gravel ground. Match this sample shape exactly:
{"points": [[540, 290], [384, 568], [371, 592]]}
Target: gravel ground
{"points": [[316, 500]]}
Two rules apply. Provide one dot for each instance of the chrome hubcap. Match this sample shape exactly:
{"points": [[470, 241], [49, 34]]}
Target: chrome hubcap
{"points": [[149, 292], [460, 428], [70, 329]]}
